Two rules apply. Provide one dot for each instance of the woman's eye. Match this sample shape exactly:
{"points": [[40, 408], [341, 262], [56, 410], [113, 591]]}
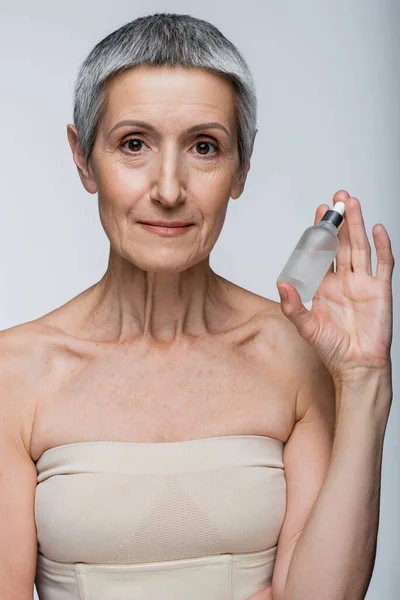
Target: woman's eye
{"points": [[134, 145], [203, 146]]}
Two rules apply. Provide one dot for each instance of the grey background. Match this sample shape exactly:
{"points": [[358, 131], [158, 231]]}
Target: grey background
{"points": [[327, 77]]}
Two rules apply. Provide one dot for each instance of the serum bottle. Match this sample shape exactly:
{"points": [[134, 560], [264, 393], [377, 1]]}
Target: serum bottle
{"points": [[316, 249]]}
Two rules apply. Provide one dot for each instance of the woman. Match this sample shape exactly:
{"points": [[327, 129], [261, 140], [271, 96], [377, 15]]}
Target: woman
{"points": [[173, 431]]}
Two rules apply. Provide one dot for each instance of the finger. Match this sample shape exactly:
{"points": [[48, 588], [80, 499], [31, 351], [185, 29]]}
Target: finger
{"points": [[360, 246], [385, 265], [293, 308], [319, 213], [343, 257]]}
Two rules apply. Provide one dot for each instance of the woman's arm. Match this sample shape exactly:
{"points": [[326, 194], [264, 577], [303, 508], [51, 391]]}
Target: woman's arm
{"points": [[350, 328], [335, 553], [18, 474]]}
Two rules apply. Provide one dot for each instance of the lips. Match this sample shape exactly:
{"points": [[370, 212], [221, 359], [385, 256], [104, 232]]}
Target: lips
{"points": [[170, 230], [166, 223]]}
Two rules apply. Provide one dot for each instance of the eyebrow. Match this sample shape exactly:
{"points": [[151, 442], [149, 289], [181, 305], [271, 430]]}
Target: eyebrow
{"points": [[145, 125]]}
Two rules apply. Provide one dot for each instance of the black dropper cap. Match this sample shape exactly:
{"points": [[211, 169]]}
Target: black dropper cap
{"points": [[334, 215]]}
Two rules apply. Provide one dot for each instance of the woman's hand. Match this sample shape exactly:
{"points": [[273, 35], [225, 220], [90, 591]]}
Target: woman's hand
{"points": [[265, 594], [350, 322]]}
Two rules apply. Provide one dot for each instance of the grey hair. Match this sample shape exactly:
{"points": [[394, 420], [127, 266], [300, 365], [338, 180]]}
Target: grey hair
{"points": [[163, 39]]}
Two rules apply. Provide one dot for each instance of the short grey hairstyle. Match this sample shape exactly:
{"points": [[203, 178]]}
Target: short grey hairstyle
{"points": [[163, 39]]}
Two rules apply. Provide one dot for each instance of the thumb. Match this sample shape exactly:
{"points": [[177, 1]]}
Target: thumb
{"points": [[293, 308]]}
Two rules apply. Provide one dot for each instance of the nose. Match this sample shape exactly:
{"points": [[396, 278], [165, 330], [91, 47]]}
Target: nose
{"points": [[168, 187]]}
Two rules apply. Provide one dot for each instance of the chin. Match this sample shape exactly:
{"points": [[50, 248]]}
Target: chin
{"points": [[167, 265]]}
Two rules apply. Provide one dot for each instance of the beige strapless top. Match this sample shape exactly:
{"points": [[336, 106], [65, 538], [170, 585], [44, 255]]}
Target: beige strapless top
{"points": [[196, 519]]}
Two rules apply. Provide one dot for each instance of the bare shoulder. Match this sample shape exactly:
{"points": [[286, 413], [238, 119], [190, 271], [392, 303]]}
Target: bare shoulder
{"points": [[24, 354], [293, 357], [265, 317], [23, 347], [312, 381]]}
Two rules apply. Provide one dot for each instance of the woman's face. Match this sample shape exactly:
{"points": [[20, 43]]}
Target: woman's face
{"points": [[165, 172]]}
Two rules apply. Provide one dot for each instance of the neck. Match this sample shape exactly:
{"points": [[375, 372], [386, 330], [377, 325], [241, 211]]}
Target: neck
{"points": [[130, 303]]}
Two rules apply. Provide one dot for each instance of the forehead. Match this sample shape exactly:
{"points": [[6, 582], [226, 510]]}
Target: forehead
{"points": [[162, 93]]}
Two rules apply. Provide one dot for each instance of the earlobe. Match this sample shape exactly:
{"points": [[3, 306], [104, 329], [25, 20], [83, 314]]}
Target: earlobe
{"points": [[238, 186], [237, 189], [86, 176]]}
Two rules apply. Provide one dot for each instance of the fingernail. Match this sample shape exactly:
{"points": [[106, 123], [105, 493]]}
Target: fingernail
{"points": [[282, 292]]}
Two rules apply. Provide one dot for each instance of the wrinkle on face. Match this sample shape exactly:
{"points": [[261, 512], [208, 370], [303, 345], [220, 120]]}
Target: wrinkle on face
{"points": [[149, 277]]}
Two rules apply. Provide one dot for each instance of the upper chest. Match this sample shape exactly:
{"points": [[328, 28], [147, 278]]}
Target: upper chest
{"points": [[136, 393]]}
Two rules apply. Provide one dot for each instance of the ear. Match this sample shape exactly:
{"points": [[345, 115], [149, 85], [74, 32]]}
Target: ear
{"points": [[86, 174], [239, 183]]}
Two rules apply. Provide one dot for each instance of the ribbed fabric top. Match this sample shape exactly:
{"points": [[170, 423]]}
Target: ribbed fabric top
{"points": [[134, 504]]}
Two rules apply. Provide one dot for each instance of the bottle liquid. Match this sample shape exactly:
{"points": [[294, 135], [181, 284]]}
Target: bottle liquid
{"points": [[313, 255]]}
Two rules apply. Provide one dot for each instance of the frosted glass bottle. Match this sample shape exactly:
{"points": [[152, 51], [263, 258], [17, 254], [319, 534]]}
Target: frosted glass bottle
{"points": [[314, 253]]}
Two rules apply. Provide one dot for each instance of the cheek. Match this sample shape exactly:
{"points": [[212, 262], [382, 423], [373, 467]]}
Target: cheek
{"points": [[213, 196], [212, 187], [213, 216], [121, 188]]}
